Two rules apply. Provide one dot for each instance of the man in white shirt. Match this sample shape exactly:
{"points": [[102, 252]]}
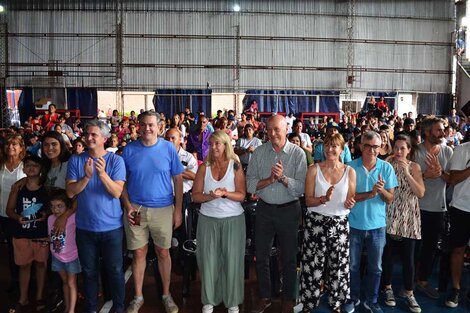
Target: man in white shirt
{"points": [[459, 217], [187, 159]]}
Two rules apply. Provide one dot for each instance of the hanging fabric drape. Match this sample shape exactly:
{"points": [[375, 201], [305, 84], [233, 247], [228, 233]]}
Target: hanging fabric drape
{"points": [[171, 101], [292, 101], [83, 99]]}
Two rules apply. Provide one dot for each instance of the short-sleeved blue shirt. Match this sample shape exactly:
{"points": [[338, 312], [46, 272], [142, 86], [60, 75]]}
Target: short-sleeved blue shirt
{"points": [[97, 209], [149, 172], [371, 213]]}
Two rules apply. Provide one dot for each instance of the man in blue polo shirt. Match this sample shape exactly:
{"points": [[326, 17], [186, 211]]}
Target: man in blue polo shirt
{"points": [[375, 185], [97, 178]]}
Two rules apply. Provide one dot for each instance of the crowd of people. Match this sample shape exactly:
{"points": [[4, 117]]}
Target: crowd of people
{"points": [[74, 192]]}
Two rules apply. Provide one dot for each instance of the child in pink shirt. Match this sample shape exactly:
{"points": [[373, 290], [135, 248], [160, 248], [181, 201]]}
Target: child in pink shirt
{"points": [[63, 248]]}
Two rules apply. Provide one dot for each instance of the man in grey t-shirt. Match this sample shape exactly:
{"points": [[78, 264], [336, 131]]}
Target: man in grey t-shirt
{"points": [[433, 156]]}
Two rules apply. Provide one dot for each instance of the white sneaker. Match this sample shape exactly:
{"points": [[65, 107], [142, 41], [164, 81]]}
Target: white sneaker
{"points": [[208, 308], [233, 309], [135, 305], [170, 305], [413, 304]]}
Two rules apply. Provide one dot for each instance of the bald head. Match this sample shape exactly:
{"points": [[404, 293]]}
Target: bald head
{"points": [[173, 135], [277, 120], [277, 131]]}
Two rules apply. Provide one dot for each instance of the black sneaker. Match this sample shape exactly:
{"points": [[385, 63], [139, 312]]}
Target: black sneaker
{"points": [[452, 300], [428, 291], [389, 297]]}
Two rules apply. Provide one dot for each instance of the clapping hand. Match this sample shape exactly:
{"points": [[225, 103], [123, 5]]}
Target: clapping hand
{"points": [[329, 193], [100, 165], [218, 192], [277, 169], [89, 168], [434, 169], [404, 165], [379, 186], [350, 202]]}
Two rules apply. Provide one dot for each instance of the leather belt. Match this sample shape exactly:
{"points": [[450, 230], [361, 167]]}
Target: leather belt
{"points": [[283, 205]]}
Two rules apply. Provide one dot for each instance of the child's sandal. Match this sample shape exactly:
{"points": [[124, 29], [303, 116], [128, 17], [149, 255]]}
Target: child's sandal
{"points": [[19, 308]]}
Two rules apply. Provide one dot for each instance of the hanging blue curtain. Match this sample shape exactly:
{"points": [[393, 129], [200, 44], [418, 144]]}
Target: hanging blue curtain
{"points": [[390, 98], [171, 101], [25, 104], [329, 101], [292, 101], [434, 103], [443, 103], [83, 99]]}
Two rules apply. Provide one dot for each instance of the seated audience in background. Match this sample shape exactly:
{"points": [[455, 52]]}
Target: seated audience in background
{"points": [[295, 139], [246, 145], [305, 138]]}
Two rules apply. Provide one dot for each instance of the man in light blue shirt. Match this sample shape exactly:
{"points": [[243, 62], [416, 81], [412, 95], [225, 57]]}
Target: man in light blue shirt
{"points": [[375, 185]]}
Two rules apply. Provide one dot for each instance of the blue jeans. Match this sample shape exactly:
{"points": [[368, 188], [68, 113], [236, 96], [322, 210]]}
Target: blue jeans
{"points": [[374, 241], [107, 245]]}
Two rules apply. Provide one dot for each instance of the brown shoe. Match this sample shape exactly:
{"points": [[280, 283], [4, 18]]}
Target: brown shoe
{"points": [[261, 305], [287, 306]]}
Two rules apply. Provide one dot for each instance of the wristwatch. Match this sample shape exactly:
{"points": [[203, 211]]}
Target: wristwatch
{"points": [[281, 179]]}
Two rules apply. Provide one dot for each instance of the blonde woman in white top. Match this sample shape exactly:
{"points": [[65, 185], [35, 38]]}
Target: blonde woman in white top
{"points": [[330, 188], [11, 170], [220, 188]]}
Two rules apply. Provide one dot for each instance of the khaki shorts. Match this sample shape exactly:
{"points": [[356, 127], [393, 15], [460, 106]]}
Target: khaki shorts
{"points": [[157, 221], [28, 250]]}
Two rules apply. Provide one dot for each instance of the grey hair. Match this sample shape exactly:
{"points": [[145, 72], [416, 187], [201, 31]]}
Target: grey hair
{"points": [[149, 113], [104, 128], [428, 123], [369, 135]]}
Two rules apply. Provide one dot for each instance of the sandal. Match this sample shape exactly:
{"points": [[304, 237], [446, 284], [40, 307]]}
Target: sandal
{"points": [[40, 305], [19, 308]]}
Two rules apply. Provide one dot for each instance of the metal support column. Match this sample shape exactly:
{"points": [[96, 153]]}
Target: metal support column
{"points": [[5, 120], [236, 68], [119, 57], [351, 75]]}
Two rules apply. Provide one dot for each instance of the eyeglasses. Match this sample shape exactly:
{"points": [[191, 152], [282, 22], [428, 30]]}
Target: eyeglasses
{"points": [[370, 147]]}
